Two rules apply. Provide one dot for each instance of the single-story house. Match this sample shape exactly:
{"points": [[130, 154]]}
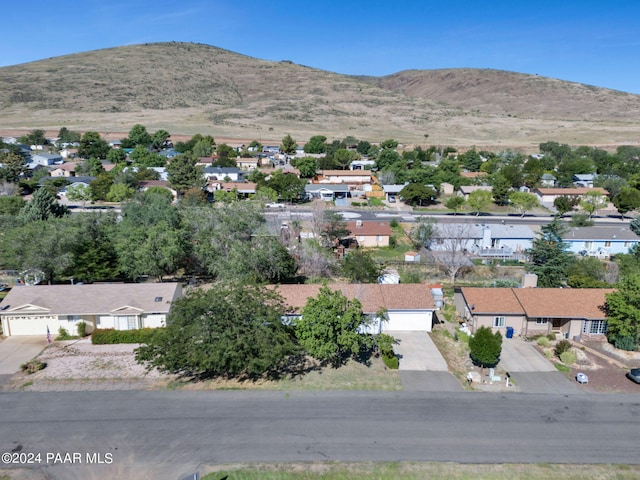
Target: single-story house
{"points": [[250, 163], [354, 177], [474, 175], [370, 234], [568, 312], [485, 240], [67, 169], [222, 173], [244, 189], [326, 191], [31, 310], [46, 159], [548, 195], [600, 241], [392, 191], [547, 180], [466, 190], [362, 164], [407, 306], [584, 179]]}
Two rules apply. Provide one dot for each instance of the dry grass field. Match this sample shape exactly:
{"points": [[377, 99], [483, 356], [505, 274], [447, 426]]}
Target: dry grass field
{"points": [[190, 88]]}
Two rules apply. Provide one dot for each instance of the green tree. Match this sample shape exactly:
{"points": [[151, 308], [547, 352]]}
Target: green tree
{"points": [[159, 138], [13, 166], [34, 137], [230, 330], [485, 347], [100, 187], [79, 193], [565, 204], [389, 144], [343, 157], [471, 160], [93, 146], [184, 173], [92, 167], [42, 206], [479, 200], [119, 192], [592, 202], [387, 158], [623, 311], [68, 136], [328, 329], [307, 167], [138, 136], [523, 201], [500, 189], [288, 145], [316, 144], [359, 267], [288, 186], [455, 203], [117, 155], [422, 232], [142, 157], [333, 229], [417, 194], [549, 256], [627, 200], [10, 205], [635, 225]]}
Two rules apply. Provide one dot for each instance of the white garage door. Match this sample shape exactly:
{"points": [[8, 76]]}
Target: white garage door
{"points": [[408, 321], [33, 326]]}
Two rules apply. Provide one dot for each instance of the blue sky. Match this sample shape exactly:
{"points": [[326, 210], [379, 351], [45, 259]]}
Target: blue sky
{"points": [[585, 41]]}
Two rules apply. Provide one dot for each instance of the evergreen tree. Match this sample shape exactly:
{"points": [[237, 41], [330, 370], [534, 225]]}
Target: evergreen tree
{"points": [[549, 256], [485, 347], [42, 206]]}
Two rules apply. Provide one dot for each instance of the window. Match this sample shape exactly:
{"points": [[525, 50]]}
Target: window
{"points": [[588, 245], [627, 244], [598, 327], [498, 321], [542, 321], [607, 244]]}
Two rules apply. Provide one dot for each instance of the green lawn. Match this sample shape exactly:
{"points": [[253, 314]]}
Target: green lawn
{"points": [[421, 471]]}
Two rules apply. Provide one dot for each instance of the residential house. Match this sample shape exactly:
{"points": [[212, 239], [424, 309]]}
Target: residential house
{"points": [[243, 189], [145, 185], [549, 195], [406, 306], [466, 190], [391, 192], [32, 310], [46, 159], [352, 177], [250, 163], [362, 164], [67, 169], [490, 240], [547, 180], [326, 191], [584, 179], [600, 241], [370, 234], [232, 174], [568, 312], [67, 153]]}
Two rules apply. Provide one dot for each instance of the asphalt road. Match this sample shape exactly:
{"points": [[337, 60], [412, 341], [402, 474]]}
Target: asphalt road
{"points": [[169, 434]]}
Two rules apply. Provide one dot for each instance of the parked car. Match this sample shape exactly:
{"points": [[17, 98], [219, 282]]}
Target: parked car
{"points": [[274, 205], [634, 375]]}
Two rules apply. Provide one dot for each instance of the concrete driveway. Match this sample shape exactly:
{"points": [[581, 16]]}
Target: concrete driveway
{"points": [[520, 356], [417, 352], [14, 351]]}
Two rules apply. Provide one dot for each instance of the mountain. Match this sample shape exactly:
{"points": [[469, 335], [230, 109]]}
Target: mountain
{"points": [[187, 88]]}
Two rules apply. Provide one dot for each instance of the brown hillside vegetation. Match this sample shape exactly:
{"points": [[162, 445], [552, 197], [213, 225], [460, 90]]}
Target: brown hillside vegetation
{"points": [[188, 88]]}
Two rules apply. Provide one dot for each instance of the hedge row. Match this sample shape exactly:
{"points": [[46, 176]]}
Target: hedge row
{"points": [[110, 336]]}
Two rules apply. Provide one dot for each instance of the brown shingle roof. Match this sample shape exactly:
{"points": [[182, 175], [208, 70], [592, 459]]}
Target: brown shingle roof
{"points": [[372, 296], [369, 229], [570, 191], [563, 302], [492, 300]]}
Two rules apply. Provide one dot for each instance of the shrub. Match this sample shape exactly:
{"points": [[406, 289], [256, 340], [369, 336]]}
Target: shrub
{"points": [[543, 341], [625, 343], [82, 329], [551, 336], [569, 357], [391, 362], [32, 366], [393, 223], [393, 242], [111, 336], [561, 347], [63, 334]]}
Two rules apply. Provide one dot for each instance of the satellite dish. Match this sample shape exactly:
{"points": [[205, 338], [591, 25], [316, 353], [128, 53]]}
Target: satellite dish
{"points": [[32, 276]]}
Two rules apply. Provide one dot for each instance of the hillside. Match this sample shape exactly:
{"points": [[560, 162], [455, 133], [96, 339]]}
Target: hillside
{"points": [[188, 88]]}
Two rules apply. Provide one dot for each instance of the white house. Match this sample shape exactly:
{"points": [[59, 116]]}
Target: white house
{"points": [[31, 310], [46, 159], [600, 241], [223, 173]]}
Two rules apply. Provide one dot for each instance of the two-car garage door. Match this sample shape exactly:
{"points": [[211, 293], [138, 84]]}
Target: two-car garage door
{"points": [[405, 320], [30, 326]]}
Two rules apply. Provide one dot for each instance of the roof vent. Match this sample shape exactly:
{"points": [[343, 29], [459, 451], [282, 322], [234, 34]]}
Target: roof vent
{"points": [[157, 299], [358, 223]]}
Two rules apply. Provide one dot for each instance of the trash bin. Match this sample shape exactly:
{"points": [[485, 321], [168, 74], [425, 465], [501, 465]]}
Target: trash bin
{"points": [[509, 332]]}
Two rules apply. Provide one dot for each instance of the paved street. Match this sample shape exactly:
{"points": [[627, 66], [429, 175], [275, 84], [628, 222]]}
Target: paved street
{"points": [[164, 435]]}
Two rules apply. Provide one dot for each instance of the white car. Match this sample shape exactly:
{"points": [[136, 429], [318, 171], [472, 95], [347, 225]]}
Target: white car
{"points": [[274, 205]]}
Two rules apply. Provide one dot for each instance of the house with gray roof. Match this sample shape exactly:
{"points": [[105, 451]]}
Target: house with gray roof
{"points": [[600, 241], [46, 159], [32, 310], [326, 191], [221, 173], [490, 240]]}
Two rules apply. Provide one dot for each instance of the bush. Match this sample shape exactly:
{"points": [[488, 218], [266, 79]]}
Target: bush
{"points": [[551, 336], [82, 329], [391, 362], [110, 336], [569, 357], [32, 366], [626, 343], [63, 334], [561, 347], [393, 242], [543, 342], [393, 223]]}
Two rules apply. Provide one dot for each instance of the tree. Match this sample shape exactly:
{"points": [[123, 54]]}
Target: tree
{"points": [[42, 206], [471, 160], [288, 145], [479, 200], [79, 192], [307, 167], [549, 256], [117, 155], [455, 203], [454, 241], [100, 186], [35, 137], [592, 202], [119, 192], [334, 228], [143, 157], [13, 166], [92, 167], [417, 194], [230, 330], [316, 144], [184, 173], [635, 225], [93, 146], [343, 157], [138, 136], [500, 189], [66, 136], [159, 138], [328, 329], [288, 186], [422, 232], [389, 144], [627, 200], [10, 205], [359, 267], [485, 347], [623, 311], [565, 204], [386, 158], [523, 201]]}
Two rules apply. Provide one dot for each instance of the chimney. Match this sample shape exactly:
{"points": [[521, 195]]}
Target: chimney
{"points": [[530, 280], [358, 223]]}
